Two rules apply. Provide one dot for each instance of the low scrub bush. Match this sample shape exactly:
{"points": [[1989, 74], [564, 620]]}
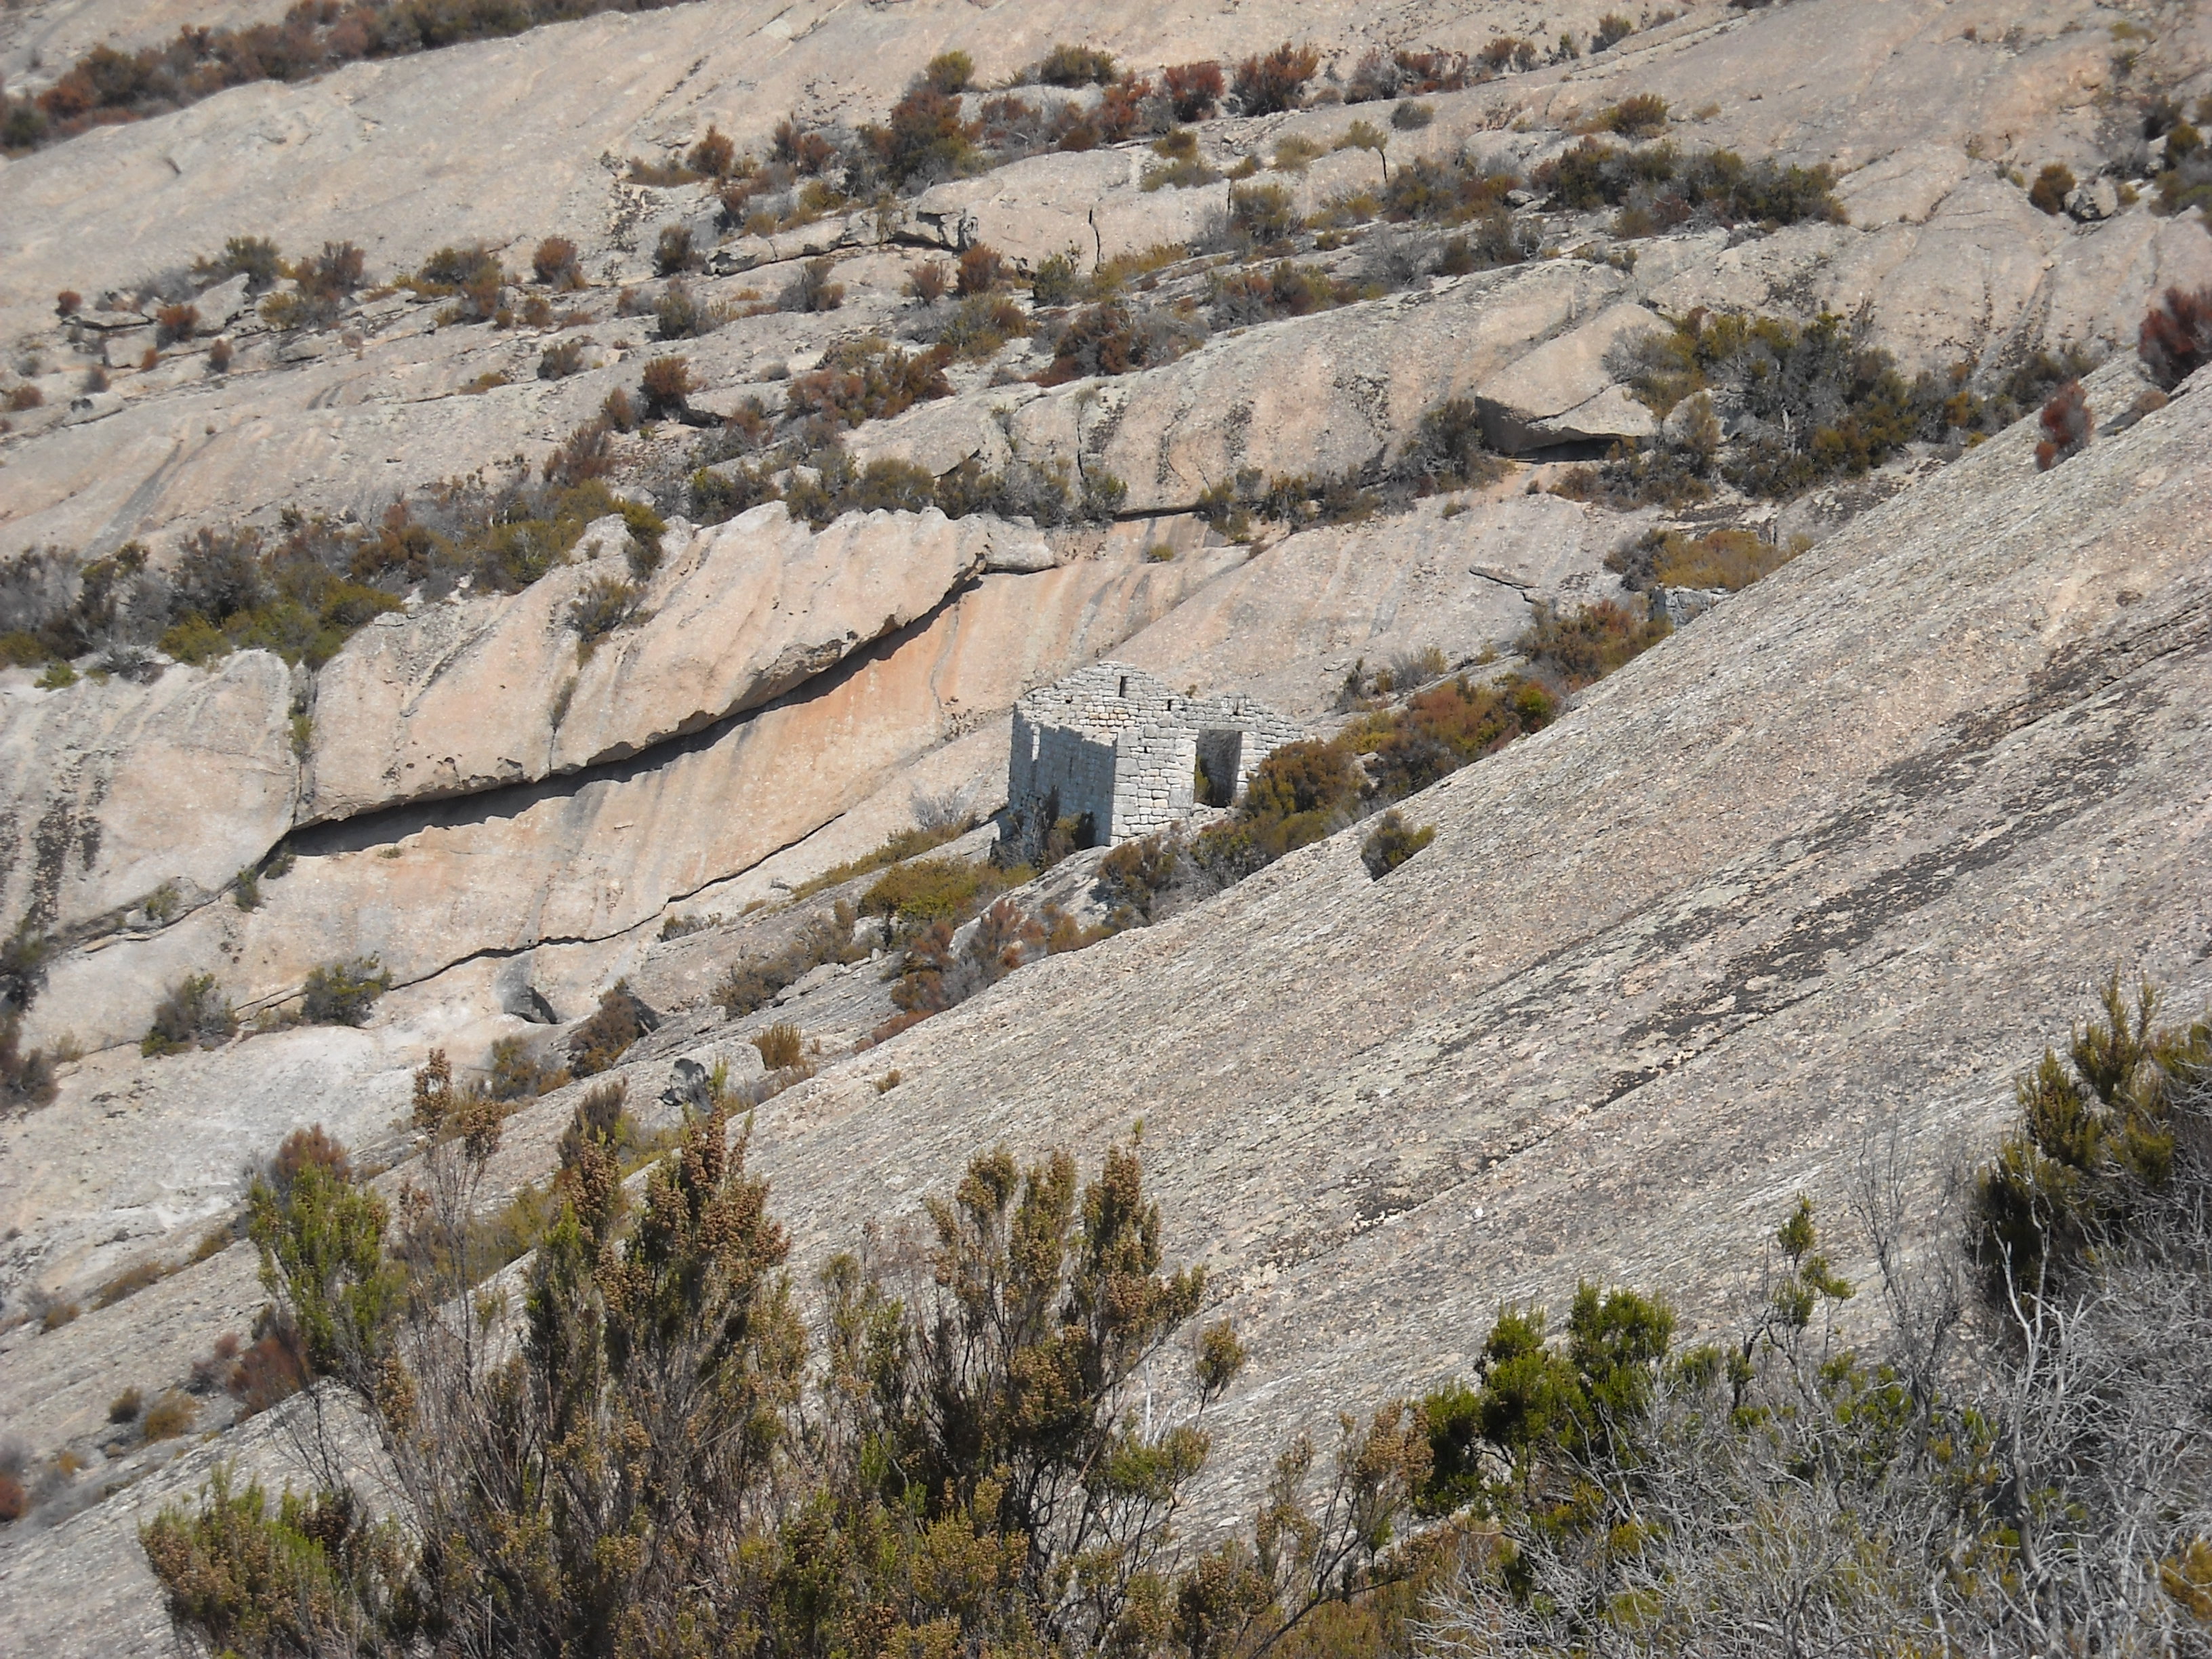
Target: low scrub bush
{"points": [[1658, 189], [783, 1046], [606, 1035], [920, 891], [1269, 83], [867, 380], [603, 604], [2175, 339], [811, 289], [1243, 297], [2052, 186], [126, 1406], [1391, 842], [1067, 65], [555, 263], [169, 1416], [2067, 425], [1261, 216], [194, 1013], [133, 1279], [27, 1077], [751, 984], [1115, 338], [1730, 559], [1193, 90], [1580, 649], [344, 993]]}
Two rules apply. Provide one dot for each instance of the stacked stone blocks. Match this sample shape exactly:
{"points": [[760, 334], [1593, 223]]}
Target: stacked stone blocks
{"points": [[1119, 747]]}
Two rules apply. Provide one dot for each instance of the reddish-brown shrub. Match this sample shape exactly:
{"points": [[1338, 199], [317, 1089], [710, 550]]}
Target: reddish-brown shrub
{"points": [[666, 386], [173, 323], [982, 270], [2175, 337], [1193, 89], [266, 1373], [1274, 81], [2051, 189], [310, 1146], [2066, 424], [23, 398], [67, 301], [714, 155], [928, 280], [15, 1502], [219, 357], [553, 263]]}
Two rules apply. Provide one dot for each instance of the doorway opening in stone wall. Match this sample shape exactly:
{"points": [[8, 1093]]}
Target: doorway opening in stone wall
{"points": [[1220, 756]]}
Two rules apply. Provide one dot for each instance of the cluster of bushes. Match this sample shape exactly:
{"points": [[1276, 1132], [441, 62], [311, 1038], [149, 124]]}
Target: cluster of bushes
{"points": [[1446, 451], [105, 85], [669, 1449], [1993, 1472], [1305, 792], [1656, 188], [865, 379], [1813, 401], [2185, 169], [303, 594], [607, 1033], [818, 485], [1729, 559], [194, 1013]]}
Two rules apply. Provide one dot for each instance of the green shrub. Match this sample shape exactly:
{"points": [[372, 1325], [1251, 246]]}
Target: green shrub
{"points": [[1260, 215], [1067, 65], [344, 993], [1582, 648], [950, 72], [2052, 186], [923, 890], [2096, 1143], [26, 1080], [194, 1013], [1391, 842]]}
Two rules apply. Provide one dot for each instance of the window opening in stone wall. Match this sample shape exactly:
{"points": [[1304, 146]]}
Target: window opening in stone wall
{"points": [[1220, 753], [1124, 691]]}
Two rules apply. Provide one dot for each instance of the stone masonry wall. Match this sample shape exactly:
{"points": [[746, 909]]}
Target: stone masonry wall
{"points": [[1122, 745]]}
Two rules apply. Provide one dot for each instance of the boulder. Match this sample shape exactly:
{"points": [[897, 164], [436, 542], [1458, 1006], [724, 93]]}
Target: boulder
{"points": [[474, 694], [111, 789], [2098, 199], [1562, 393]]}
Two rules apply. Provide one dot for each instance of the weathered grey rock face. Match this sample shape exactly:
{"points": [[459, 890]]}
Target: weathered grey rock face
{"points": [[1290, 625], [110, 789], [1838, 857], [590, 856], [471, 694]]}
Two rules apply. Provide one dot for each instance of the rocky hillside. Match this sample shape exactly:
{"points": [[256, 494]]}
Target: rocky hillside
{"points": [[609, 519]]}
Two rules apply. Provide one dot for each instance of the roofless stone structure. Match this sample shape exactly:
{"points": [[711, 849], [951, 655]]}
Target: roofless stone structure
{"points": [[1128, 754]]}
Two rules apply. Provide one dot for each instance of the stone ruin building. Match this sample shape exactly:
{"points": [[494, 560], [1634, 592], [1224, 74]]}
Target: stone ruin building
{"points": [[1124, 754]]}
